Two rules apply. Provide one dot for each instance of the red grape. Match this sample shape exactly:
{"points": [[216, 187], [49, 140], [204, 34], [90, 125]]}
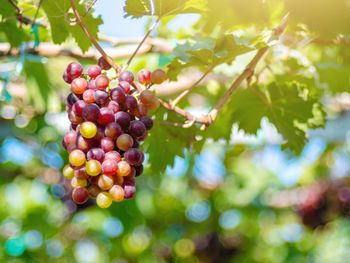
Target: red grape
{"points": [[126, 76], [80, 195], [74, 70], [89, 96], [144, 77], [123, 119], [125, 142], [137, 129], [72, 98], [133, 156], [118, 95], [93, 71], [130, 102], [113, 130], [106, 116], [91, 112], [130, 191], [81, 173], [107, 144], [125, 86], [138, 170], [78, 107], [101, 97], [67, 78], [110, 166], [113, 155], [114, 106], [103, 63], [158, 76], [102, 82], [96, 154], [147, 121], [92, 84]]}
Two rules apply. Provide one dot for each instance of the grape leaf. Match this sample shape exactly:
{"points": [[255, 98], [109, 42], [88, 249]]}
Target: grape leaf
{"points": [[206, 54], [57, 13], [288, 106], [319, 19], [38, 84], [139, 8], [166, 141], [8, 25], [336, 76]]}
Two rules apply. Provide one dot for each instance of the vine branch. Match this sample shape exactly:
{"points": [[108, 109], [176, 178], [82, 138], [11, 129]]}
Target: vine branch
{"points": [[93, 40], [246, 74], [211, 116]]}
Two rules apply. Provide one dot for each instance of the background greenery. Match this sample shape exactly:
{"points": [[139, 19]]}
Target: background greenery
{"points": [[267, 182]]}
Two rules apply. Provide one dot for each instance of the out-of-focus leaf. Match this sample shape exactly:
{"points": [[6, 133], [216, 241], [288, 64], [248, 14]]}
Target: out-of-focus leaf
{"points": [[40, 90], [139, 8], [336, 76], [327, 17], [206, 54], [9, 25]]}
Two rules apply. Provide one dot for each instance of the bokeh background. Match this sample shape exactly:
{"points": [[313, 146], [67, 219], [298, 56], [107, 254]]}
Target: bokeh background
{"points": [[243, 201]]}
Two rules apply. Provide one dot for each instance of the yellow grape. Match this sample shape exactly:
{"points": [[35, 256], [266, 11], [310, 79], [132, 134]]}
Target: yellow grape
{"points": [[77, 158], [88, 129], [93, 167], [68, 172], [104, 199]]}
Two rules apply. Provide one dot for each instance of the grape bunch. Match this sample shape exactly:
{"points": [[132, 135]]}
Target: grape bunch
{"points": [[107, 126]]}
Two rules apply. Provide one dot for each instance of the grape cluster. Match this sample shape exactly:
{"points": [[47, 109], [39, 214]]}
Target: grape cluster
{"points": [[324, 201], [107, 126]]}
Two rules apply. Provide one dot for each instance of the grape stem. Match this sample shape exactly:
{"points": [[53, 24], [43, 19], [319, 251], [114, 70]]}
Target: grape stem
{"points": [[149, 31], [248, 72], [208, 119], [93, 40]]}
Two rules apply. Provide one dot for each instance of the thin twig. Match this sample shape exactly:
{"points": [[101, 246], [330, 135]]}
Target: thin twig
{"points": [[92, 38], [36, 13], [142, 41], [248, 72], [185, 92], [89, 8]]}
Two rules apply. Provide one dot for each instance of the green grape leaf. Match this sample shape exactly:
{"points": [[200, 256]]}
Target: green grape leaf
{"points": [[166, 141], [139, 8], [57, 13], [336, 76], [14, 36], [288, 106], [205, 54], [38, 84], [9, 25]]}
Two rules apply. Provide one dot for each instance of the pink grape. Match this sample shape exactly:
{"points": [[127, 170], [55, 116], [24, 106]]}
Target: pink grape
{"points": [[107, 144], [93, 71]]}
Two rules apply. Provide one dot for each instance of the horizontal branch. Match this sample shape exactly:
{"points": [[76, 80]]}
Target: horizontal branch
{"points": [[46, 49]]}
